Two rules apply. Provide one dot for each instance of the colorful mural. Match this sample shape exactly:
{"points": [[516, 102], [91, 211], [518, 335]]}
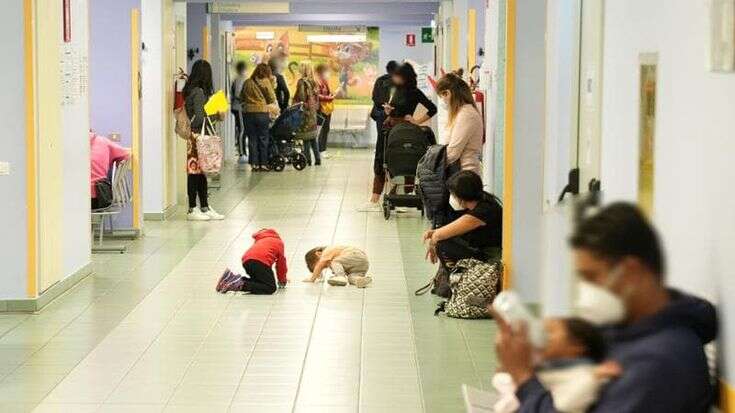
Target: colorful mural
{"points": [[354, 64]]}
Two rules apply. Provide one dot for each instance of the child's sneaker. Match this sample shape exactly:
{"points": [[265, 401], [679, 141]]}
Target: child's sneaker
{"points": [[360, 281], [234, 285], [337, 281], [226, 278]]}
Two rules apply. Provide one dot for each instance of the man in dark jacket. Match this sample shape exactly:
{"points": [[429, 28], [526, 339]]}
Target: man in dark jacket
{"points": [[283, 96], [655, 333], [381, 93]]}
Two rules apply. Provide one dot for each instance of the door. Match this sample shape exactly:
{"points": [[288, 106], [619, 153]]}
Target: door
{"points": [[179, 166], [590, 92]]}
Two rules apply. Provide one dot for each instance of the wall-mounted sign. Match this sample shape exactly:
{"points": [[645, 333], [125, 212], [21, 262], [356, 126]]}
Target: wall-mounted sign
{"points": [[332, 29], [427, 35], [259, 7], [410, 40]]}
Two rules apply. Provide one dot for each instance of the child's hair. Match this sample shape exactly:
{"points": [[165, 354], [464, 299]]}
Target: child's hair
{"points": [[588, 336], [311, 257]]}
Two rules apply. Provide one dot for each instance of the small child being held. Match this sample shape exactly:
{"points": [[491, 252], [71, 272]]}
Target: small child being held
{"points": [[570, 366], [257, 261], [348, 265]]}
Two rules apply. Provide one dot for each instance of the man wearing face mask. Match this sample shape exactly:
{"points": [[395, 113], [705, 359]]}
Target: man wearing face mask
{"points": [[655, 333], [477, 230]]}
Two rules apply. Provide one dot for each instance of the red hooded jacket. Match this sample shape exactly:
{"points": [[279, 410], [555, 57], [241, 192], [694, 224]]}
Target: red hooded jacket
{"points": [[268, 250]]}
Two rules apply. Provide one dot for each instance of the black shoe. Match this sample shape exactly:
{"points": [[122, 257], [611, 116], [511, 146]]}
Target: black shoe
{"points": [[318, 163]]}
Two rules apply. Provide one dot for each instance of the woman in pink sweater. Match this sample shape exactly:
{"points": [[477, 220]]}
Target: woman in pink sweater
{"points": [[465, 123]]}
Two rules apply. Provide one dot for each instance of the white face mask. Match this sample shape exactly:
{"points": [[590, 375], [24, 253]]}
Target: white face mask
{"points": [[455, 203], [598, 304], [443, 103]]}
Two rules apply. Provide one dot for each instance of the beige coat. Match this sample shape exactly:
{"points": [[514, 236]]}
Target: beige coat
{"points": [[465, 140]]}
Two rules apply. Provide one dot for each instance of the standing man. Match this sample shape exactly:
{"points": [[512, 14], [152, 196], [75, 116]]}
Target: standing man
{"points": [[236, 105], [381, 94]]}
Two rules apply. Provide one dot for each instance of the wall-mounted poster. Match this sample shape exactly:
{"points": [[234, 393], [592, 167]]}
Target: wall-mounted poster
{"points": [[722, 36], [353, 57]]}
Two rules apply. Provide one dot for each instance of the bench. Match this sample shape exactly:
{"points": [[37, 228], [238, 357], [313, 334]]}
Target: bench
{"points": [[352, 121]]}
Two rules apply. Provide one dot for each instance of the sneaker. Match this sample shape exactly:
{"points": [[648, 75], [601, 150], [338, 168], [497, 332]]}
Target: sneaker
{"points": [[236, 284], [226, 278], [213, 215], [370, 207], [401, 210], [337, 281], [326, 155], [242, 160], [360, 281], [197, 215]]}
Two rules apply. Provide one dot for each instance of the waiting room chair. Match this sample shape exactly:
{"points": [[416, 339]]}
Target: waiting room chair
{"points": [[121, 197], [357, 123]]}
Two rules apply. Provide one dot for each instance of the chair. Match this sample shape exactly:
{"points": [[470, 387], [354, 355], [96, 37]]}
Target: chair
{"points": [[357, 122], [121, 197]]}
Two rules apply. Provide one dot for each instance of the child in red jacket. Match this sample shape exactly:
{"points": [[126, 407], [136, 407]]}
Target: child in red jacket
{"points": [[257, 262]]}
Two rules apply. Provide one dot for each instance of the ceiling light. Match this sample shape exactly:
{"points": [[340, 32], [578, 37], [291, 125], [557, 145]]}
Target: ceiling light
{"points": [[335, 38], [265, 35]]}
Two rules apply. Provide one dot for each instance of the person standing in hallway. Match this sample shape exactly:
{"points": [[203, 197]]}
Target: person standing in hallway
{"points": [[237, 110], [401, 103], [197, 91], [465, 123], [655, 333], [306, 93], [326, 106], [283, 96], [259, 99]]}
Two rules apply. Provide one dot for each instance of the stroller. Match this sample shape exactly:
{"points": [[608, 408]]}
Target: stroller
{"points": [[285, 148], [405, 144]]}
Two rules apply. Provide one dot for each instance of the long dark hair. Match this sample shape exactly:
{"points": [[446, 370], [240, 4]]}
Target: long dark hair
{"points": [[200, 76], [405, 71]]}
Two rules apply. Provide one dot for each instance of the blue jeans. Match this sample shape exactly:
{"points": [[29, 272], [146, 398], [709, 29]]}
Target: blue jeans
{"points": [[309, 146], [256, 127]]}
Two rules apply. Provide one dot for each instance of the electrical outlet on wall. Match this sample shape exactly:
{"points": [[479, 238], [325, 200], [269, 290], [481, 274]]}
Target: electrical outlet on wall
{"points": [[4, 168]]}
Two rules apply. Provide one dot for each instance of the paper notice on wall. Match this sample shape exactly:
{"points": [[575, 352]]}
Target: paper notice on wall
{"points": [[74, 74], [422, 77]]}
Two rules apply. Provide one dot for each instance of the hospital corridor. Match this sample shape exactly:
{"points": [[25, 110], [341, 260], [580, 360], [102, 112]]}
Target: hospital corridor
{"points": [[367, 206]]}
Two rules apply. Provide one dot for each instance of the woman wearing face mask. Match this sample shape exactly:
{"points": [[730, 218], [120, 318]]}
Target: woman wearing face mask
{"points": [[477, 230], [465, 125]]}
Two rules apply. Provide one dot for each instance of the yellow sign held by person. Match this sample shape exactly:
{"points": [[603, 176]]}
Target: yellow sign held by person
{"points": [[217, 103]]}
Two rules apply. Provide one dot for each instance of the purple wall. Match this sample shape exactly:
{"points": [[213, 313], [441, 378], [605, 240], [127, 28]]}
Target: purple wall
{"points": [[196, 20], [109, 71]]}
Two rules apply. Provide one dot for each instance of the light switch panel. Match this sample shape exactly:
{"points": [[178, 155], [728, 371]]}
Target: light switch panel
{"points": [[4, 168]]}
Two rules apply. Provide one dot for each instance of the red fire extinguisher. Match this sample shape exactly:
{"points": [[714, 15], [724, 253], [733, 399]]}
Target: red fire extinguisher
{"points": [[480, 100]]}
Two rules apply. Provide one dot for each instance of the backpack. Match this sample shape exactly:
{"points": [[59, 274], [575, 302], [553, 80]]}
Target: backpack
{"points": [[474, 285]]}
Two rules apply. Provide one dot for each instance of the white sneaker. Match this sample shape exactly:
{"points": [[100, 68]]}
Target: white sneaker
{"points": [[197, 215], [359, 281], [401, 210], [326, 155], [214, 215], [337, 281], [370, 207]]}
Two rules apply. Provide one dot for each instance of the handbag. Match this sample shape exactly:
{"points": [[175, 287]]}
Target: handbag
{"points": [[327, 108], [103, 188], [209, 150]]}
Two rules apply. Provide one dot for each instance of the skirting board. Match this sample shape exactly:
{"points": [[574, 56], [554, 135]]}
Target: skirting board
{"points": [[32, 305], [161, 216]]}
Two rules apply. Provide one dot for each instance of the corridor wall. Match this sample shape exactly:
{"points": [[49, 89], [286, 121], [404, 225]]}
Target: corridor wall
{"points": [[196, 21], [693, 200]]}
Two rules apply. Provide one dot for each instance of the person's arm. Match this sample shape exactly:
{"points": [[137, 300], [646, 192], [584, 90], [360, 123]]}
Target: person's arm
{"points": [[325, 98], [459, 137], [285, 93], [198, 99], [459, 226], [376, 93], [281, 269], [300, 94], [320, 266], [428, 104]]}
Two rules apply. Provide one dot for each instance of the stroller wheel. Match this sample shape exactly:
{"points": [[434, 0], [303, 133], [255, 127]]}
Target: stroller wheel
{"points": [[299, 161], [277, 163], [386, 209]]}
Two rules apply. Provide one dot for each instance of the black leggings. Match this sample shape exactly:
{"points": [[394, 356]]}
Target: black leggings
{"points": [[262, 281], [196, 184], [454, 249], [324, 132]]}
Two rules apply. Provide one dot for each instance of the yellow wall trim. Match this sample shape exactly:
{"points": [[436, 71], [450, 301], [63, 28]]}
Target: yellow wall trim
{"points": [[135, 112], [30, 112], [727, 397], [510, 40], [454, 51], [205, 43], [471, 39]]}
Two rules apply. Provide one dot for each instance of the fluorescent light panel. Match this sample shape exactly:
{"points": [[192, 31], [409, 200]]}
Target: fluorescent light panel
{"points": [[265, 35], [335, 38]]}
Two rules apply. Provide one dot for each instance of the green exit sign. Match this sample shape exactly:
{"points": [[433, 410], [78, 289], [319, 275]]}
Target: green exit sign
{"points": [[427, 35]]}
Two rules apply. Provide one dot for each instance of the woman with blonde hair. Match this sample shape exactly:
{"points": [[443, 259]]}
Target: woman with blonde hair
{"points": [[307, 93], [465, 125]]}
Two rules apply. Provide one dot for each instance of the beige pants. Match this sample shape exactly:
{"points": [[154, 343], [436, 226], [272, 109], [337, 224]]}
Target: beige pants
{"points": [[351, 261]]}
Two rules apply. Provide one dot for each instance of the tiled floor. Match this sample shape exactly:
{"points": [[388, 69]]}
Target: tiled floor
{"points": [[147, 332]]}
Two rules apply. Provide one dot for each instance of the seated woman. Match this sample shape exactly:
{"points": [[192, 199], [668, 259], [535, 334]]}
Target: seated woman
{"points": [[476, 232], [103, 153]]}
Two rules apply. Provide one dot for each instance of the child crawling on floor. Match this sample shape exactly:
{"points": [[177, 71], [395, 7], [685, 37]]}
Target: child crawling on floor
{"points": [[570, 366], [267, 250], [348, 265]]}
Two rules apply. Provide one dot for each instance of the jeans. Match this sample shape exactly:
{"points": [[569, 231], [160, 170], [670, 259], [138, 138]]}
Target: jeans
{"points": [[256, 127], [196, 185], [312, 145], [324, 132], [454, 249], [262, 280], [240, 138]]}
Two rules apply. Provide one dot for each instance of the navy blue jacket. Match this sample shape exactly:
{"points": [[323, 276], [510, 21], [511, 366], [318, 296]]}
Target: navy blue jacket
{"points": [[664, 366]]}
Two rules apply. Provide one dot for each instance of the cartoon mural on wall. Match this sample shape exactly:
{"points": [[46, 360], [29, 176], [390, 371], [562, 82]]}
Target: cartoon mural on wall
{"points": [[353, 64]]}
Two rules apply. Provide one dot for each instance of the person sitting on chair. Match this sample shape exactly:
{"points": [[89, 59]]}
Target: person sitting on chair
{"points": [[103, 152], [477, 230]]}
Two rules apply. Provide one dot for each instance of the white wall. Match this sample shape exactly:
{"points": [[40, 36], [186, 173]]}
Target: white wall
{"points": [[393, 46], [694, 205], [75, 123], [13, 150]]}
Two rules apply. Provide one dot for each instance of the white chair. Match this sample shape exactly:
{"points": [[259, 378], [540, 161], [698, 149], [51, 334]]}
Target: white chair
{"points": [[357, 122], [121, 197]]}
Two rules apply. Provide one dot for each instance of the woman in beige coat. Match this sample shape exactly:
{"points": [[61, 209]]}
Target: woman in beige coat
{"points": [[465, 124]]}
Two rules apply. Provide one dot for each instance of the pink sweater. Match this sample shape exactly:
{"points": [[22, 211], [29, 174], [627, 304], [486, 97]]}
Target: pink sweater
{"points": [[103, 152], [465, 140]]}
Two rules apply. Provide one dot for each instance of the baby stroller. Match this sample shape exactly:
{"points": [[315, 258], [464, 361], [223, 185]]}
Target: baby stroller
{"points": [[405, 144], [285, 148]]}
